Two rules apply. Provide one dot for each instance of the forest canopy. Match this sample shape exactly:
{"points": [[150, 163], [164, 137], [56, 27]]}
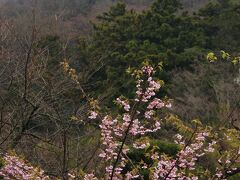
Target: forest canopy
{"points": [[142, 90]]}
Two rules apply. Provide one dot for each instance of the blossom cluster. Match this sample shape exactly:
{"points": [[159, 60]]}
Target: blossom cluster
{"points": [[16, 168], [228, 165], [133, 122], [186, 159], [137, 122]]}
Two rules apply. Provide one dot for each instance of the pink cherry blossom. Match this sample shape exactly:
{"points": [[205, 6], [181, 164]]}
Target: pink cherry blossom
{"points": [[93, 115]]}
